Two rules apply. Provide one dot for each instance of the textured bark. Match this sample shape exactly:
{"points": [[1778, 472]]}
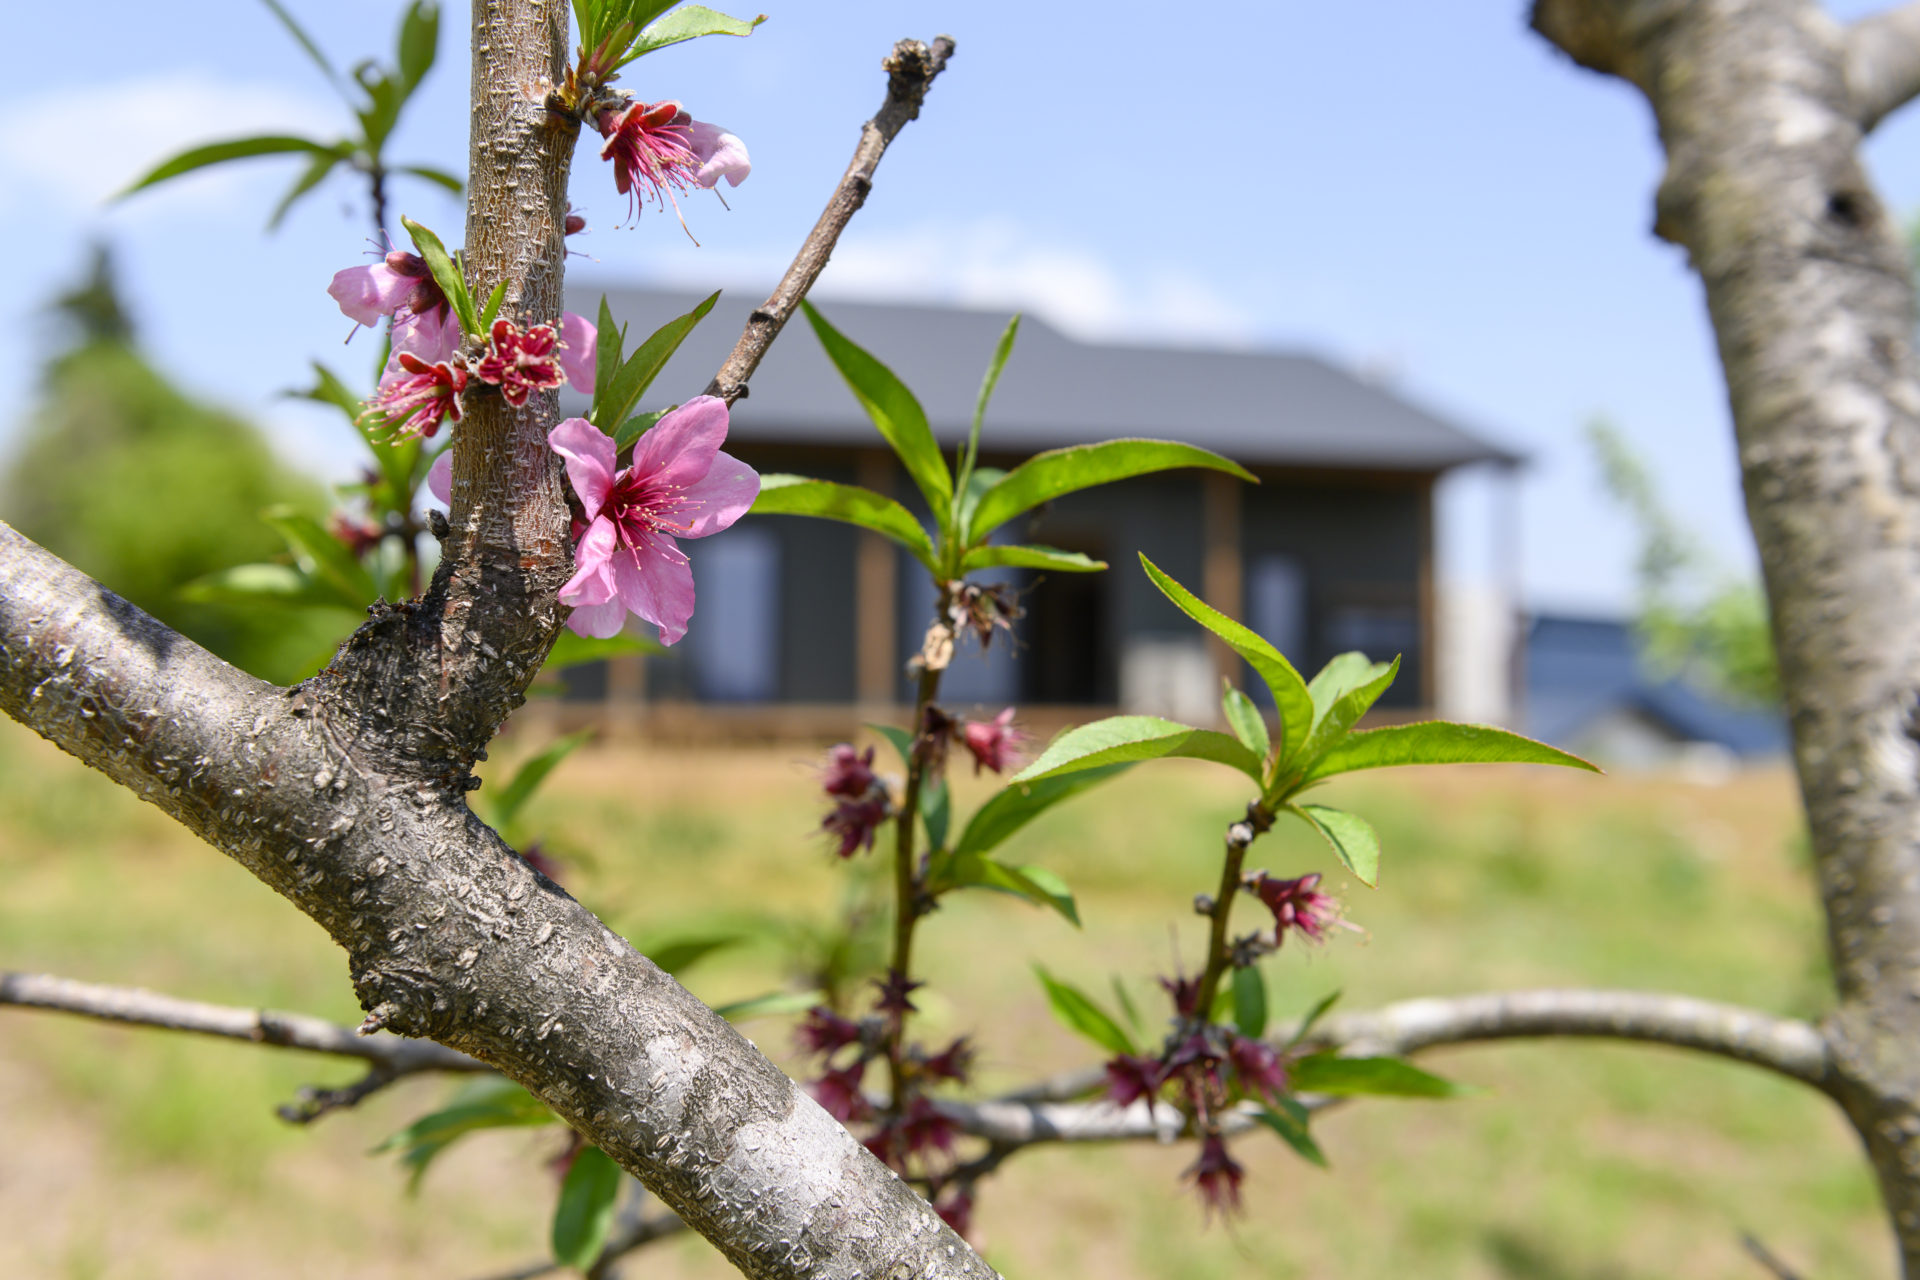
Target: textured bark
{"points": [[1761, 105], [346, 794]]}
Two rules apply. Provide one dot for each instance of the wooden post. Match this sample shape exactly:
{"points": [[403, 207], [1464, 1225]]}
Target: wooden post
{"points": [[1429, 629], [876, 609], [1222, 577]]}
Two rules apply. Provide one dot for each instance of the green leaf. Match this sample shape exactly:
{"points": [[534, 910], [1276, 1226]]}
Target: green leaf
{"points": [[626, 387], [638, 425], [1029, 557], [609, 347], [419, 42], [1049, 475], [305, 41], [438, 177], [1437, 742], [323, 556], [1035, 884], [1124, 739], [492, 309], [221, 152], [1079, 1013], [1001, 351], [979, 480], [936, 812], [310, 177], [1290, 1122], [571, 650], [1384, 1077], [773, 1002], [680, 954], [1314, 1015], [689, 22], [1339, 703], [1017, 805], [384, 100], [900, 739], [1245, 720], [259, 584], [1289, 690], [584, 1215], [526, 780], [1350, 837], [1125, 1002], [1250, 1002], [785, 495], [445, 274], [484, 1104], [894, 411]]}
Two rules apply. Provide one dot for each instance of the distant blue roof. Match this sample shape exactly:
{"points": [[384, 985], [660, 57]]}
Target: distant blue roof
{"points": [[1582, 669]]}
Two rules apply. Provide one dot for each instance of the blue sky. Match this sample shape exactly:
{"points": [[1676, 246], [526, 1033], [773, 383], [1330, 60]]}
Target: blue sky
{"points": [[1427, 193]]}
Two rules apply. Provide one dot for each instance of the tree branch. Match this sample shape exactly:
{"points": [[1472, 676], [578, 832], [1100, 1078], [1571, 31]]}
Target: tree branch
{"points": [[910, 69], [1883, 62]]}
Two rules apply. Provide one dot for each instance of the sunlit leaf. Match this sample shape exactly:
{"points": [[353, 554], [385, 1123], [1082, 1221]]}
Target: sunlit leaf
{"points": [[1021, 802], [1352, 839], [1290, 1122], [1029, 557], [324, 557], [1124, 739], [1250, 1001], [689, 22], [785, 495], [1244, 718], [894, 411], [1058, 472], [511, 798], [1386, 1077], [220, 152], [1078, 1013], [625, 388], [584, 1215], [1437, 742]]}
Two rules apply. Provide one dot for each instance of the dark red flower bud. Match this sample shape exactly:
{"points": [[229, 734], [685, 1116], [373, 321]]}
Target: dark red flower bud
{"points": [[1130, 1079], [1217, 1175], [825, 1032], [849, 772], [1298, 905], [954, 1063], [839, 1092], [1262, 1072], [894, 991], [926, 1128]]}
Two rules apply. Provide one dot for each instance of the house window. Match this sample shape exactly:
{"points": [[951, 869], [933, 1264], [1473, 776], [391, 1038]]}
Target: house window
{"points": [[735, 634], [1277, 604]]}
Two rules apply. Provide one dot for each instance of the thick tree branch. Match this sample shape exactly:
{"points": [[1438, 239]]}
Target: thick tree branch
{"points": [[1883, 62], [910, 69]]}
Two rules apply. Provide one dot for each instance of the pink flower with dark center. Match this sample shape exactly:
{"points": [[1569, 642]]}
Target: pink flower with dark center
{"points": [[825, 1032], [926, 1128], [839, 1092], [849, 772], [895, 989], [956, 1210], [417, 397], [521, 363], [1130, 1079], [855, 822], [1217, 1175], [1262, 1072], [398, 284], [995, 743], [1298, 905], [680, 486], [955, 1062], [658, 149]]}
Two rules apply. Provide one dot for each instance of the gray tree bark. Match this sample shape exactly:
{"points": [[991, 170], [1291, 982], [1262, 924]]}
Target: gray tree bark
{"points": [[346, 794], [1762, 106]]}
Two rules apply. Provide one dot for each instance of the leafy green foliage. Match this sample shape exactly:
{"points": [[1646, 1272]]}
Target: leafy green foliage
{"points": [[447, 274], [1058, 472], [1016, 557], [1078, 1013], [504, 808], [213, 153], [1380, 1077], [689, 22], [978, 871], [785, 495], [894, 411], [1352, 839], [1250, 1002], [615, 32], [619, 382], [1437, 742], [1126, 739], [1343, 692], [584, 1214], [1289, 1120], [483, 1104], [679, 954], [1244, 718], [1001, 352], [1015, 806]]}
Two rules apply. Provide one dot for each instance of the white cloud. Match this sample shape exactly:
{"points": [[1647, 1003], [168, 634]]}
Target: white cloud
{"points": [[996, 263], [45, 160]]}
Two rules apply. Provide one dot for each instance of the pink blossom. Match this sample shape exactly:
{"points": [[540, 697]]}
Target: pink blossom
{"points": [[839, 1092], [434, 336], [417, 397], [1298, 905], [399, 282], [849, 772], [680, 486], [855, 822], [926, 1128], [579, 351], [658, 149], [825, 1032], [1217, 1175], [440, 477], [995, 743], [521, 363], [1131, 1078]]}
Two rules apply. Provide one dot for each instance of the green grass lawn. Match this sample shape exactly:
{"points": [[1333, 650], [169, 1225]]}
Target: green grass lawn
{"points": [[127, 1153]]}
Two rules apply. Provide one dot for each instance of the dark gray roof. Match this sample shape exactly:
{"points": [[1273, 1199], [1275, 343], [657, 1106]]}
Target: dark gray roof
{"points": [[1255, 407]]}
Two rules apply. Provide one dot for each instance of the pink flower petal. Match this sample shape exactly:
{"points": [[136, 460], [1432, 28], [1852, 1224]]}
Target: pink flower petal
{"points": [[369, 292], [598, 621], [591, 459], [680, 448], [721, 154], [577, 358], [592, 583], [656, 582], [440, 477], [432, 335], [720, 497]]}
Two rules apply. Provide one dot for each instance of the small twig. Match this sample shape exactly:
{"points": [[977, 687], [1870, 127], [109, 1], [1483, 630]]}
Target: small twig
{"points": [[313, 1101], [911, 68], [1766, 1257]]}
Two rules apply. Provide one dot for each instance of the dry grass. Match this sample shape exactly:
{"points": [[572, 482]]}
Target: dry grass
{"points": [[132, 1154]]}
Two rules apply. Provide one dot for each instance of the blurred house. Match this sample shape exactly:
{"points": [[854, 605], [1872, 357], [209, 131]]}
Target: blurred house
{"points": [[1589, 689], [801, 617]]}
